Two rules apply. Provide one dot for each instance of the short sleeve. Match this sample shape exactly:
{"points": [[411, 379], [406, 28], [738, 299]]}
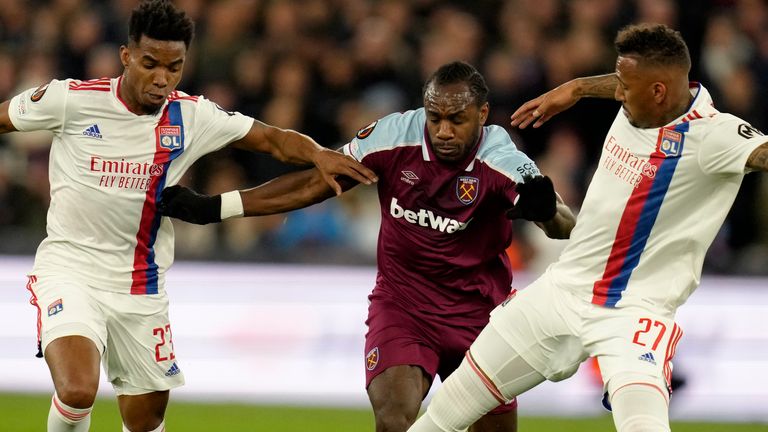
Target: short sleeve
{"points": [[728, 144], [216, 127], [40, 108]]}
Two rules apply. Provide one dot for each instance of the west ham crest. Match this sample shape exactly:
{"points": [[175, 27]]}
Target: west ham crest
{"points": [[372, 359], [467, 188]]}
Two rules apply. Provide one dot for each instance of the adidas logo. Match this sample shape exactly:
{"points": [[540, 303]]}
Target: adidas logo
{"points": [[174, 370], [93, 132], [648, 357]]}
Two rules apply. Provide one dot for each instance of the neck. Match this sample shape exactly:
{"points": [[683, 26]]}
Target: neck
{"points": [[679, 108]]}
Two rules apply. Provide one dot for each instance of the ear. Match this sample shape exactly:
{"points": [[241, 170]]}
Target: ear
{"points": [[659, 90], [125, 55], [484, 113]]}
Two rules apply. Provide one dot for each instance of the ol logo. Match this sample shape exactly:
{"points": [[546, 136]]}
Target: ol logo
{"points": [[169, 137], [372, 359], [671, 143], [55, 307], [466, 189]]}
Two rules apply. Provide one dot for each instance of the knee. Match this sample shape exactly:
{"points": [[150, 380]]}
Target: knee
{"points": [[394, 417], [77, 394], [146, 423]]}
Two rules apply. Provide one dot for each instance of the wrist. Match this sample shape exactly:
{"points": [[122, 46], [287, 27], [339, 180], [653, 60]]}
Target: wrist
{"points": [[231, 205]]}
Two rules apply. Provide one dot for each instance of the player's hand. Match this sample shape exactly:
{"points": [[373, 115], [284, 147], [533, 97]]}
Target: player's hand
{"points": [[332, 164], [183, 203], [544, 107], [536, 200]]}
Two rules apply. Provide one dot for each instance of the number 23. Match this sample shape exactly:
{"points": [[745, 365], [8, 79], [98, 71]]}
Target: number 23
{"points": [[160, 331]]}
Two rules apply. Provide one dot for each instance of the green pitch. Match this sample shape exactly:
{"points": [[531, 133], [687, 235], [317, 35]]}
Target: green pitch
{"points": [[27, 413]]}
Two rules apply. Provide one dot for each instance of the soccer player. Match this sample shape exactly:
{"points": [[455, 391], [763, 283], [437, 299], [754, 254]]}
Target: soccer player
{"points": [[98, 277], [446, 182], [670, 168]]}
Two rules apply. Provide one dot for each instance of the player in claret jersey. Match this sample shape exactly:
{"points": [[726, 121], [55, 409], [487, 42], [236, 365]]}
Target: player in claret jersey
{"points": [[670, 169], [98, 277], [446, 185]]}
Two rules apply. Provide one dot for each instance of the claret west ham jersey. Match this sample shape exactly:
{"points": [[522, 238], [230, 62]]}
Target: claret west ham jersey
{"points": [[657, 199], [108, 167], [443, 229]]}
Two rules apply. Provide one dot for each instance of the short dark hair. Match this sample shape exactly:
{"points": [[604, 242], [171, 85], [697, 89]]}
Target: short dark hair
{"points": [[161, 20], [655, 44], [457, 72]]}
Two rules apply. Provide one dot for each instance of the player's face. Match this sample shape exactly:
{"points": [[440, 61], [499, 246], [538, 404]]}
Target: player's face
{"points": [[152, 71], [454, 120], [635, 92]]}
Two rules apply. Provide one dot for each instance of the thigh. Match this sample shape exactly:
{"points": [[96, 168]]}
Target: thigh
{"points": [[396, 338], [398, 390], [540, 324], [66, 307], [140, 356], [633, 346]]}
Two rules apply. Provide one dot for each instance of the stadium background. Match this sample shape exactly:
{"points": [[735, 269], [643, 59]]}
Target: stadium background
{"points": [[329, 67]]}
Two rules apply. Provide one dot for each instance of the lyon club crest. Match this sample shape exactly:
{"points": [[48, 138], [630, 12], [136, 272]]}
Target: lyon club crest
{"points": [[466, 189], [169, 137], [372, 359], [671, 143]]}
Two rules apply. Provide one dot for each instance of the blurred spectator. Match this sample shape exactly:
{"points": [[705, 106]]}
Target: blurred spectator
{"points": [[330, 67]]}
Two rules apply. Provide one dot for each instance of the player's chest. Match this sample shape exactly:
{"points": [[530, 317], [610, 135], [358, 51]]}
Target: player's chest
{"points": [[422, 186]]}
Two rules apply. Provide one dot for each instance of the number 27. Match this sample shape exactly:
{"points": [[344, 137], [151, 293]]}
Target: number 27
{"points": [[648, 325]]}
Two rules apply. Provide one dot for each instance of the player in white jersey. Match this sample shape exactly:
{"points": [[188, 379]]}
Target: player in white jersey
{"points": [[670, 168], [98, 277]]}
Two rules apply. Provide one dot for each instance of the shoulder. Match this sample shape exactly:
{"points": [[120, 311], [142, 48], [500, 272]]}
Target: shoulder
{"points": [[500, 153], [94, 86], [392, 131]]}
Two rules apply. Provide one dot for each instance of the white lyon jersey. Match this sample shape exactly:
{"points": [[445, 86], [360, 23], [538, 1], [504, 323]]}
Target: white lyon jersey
{"points": [[108, 167], [655, 203]]}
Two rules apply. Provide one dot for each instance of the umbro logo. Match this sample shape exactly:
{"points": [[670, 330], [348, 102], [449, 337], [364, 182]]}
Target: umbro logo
{"points": [[409, 177], [93, 132], [648, 357], [174, 370]]}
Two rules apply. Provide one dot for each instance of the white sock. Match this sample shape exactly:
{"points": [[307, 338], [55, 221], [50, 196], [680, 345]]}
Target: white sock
{"points": [[462, 399], [640, 408], [159, 428], [64, 418]]}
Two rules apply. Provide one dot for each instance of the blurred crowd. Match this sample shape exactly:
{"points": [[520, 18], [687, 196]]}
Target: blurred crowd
{"points": [[330, 67]]}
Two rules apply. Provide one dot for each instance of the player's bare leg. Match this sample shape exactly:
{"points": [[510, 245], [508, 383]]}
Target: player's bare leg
{"points": [[506, 422], [145, 412], [74, 365], [396, 396]]}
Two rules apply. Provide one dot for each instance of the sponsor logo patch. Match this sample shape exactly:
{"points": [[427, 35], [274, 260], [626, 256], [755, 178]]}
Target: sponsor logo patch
{"points": [[409, 177], [372, 359], [55, 307], [366, 131], [648, 357], [748, 131], [93, 132], [174, 370], [38, 94], [170, 137], [466, 189]]}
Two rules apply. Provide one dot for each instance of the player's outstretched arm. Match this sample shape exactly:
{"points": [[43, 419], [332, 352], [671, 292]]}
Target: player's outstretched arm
{"points": [[758, 159], [293, 147], [540, 110], [538, 202], [5, 119], [285, 193]]}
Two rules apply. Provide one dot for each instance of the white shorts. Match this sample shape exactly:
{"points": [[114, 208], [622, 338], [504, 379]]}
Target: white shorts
{"points": [[132, 332], [554, 331]]}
